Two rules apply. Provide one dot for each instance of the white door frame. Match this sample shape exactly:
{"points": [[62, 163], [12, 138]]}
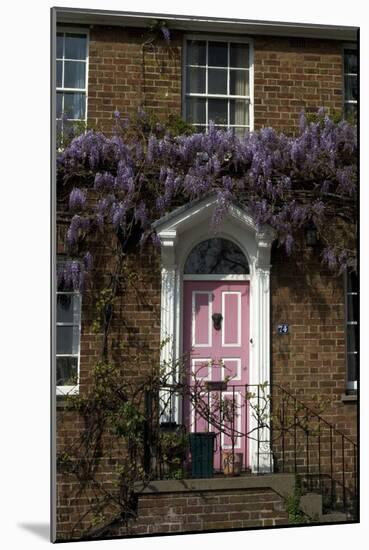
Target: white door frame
{"points": [[179, 232]]}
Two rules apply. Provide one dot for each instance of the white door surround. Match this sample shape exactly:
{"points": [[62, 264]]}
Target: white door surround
{"points": [[179, 232]]}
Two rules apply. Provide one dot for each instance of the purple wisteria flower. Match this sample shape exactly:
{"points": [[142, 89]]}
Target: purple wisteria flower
{"points": [[166, 33], [284, 181], [77, 199]]}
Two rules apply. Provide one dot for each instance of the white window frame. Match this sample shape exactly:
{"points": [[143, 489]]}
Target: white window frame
{"points": [[351, 385], [185, 95], [348, 101], [74, 30], [68, 390]]}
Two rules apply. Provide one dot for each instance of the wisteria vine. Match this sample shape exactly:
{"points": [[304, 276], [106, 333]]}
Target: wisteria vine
{"points": [[132, 178]]}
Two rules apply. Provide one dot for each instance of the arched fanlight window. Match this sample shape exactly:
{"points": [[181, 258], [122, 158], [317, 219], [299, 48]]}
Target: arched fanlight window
{"points": [[216, 256]]}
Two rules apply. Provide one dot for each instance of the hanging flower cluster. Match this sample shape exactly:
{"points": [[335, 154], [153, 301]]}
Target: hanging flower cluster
{"points": [[284, 181]]}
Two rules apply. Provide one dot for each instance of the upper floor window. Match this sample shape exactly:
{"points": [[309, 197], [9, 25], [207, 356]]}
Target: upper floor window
{"points": [[352, 329], [218, 84], [350, 82], [71, 78]]}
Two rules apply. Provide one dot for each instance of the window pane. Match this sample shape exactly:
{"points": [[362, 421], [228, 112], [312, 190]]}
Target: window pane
{"points": [[59, 105], [74, 105], [239, 82], [350, 61], [352, 282], [217, 81], [352, 304], [74, 74], [196, 52], [241, 132], [196, 80], [217, 256], [239, 55], [196, 110], [218, 111], [238, 111], [218, 54], [67, 340], [59, 45], [352, 337], [352, 364], [351, 111], [66, 371], [199, 128], [59, 73], [350, 87], [75, 46], [68, 308]]}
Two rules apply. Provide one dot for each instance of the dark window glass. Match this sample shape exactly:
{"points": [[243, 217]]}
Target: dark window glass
{"points": [[75, 46], [74, 105], [196, 52], [352, 367], [218, 110], [216, 256], [218, 54], [239, 82], [238, 111], [196, 78], [196, 110], [217, 81], [350, 88], [350, 61], [59, 74], [66, 371], [74, 74], [68, 308], [239, 56], [59, 45]]}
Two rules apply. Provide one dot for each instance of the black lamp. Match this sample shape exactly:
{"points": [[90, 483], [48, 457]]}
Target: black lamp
{"points": [[311, 236]]}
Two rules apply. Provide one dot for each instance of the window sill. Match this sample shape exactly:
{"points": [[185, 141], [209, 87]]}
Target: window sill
{"points": [[349, 397]]}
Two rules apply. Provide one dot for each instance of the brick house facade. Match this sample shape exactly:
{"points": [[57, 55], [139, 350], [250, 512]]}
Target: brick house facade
{"points": [[299, 68]]}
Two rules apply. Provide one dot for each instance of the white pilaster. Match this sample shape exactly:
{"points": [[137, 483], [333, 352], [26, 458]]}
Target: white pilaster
{"points": [[168, 325], [260, 453]]}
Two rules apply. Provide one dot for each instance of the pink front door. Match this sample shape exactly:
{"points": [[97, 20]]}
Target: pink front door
{"points": [[216, 345]]}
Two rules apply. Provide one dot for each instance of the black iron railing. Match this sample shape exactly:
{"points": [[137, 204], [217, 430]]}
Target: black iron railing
{"points": [[272, 430]]}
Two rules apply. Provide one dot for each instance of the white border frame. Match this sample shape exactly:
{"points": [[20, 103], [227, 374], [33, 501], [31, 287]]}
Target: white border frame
{"points": [[239, 320], [210, 312], [179, 232], [221, 38]]}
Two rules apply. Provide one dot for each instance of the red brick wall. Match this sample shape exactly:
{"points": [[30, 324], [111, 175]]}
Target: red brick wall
{"points": [[291, 75], [126, 72], [310, 360], [181, 512]]}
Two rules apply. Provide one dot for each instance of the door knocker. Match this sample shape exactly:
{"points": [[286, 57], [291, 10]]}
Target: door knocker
{"points": [[217, 320]]}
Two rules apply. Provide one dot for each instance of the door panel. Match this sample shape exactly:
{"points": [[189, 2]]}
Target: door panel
{"points": [[217, 359]]}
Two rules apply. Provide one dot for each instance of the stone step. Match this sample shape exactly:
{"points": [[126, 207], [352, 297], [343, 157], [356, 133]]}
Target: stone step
{"points": [[334, 517]]}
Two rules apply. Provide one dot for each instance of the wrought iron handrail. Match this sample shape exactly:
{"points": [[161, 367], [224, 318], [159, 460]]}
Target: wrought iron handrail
{"points": [[300, 440], [339, 478]]}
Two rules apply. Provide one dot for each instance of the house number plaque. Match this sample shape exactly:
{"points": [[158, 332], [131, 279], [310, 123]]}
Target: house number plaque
{"points": [[283, 329]]}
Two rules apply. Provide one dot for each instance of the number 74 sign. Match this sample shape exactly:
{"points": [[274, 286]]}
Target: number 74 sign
{"points": [[282, 329]]}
